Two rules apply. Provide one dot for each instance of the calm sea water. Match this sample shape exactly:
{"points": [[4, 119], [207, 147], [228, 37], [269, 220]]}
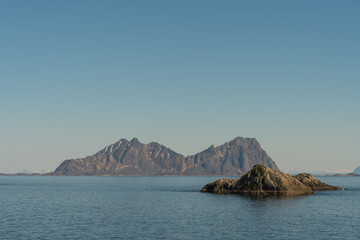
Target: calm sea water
{"points": [[169, 208]]}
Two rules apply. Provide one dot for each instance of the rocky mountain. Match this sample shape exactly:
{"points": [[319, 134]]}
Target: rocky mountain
{"points": [[132, 158], [357, 170]]}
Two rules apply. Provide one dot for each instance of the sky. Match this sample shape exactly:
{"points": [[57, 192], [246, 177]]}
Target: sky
{"points": [[76, 76]]}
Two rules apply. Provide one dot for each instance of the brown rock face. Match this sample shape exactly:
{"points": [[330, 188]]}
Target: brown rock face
{"points": [[124, 157], [232, 158], [223, 185], [314, 183], [262, 180], [134, 158]]}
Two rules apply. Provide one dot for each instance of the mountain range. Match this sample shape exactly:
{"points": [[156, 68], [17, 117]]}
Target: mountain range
{"points": [[318, 172], [132, 158], [357, 170]]}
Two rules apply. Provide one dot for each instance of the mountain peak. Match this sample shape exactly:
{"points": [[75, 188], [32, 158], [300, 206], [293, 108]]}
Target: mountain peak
{"points": [[357, 170], [242, 139], [134, 140]]}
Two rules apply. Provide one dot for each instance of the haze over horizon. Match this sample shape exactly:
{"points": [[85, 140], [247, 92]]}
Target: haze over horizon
{"points": [[76, 76]]}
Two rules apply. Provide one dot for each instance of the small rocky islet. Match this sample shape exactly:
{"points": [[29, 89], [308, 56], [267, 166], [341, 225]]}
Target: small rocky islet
{"points": [[262, 180]]}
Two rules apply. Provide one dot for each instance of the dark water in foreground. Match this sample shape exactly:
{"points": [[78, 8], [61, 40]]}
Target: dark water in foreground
{"points": [[169, 208]]}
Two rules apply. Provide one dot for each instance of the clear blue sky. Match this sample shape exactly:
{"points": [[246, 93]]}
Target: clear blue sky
{"points": [[78, 75]]}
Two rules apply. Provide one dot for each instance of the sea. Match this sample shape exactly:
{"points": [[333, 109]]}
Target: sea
{"points": [[44, 207]]}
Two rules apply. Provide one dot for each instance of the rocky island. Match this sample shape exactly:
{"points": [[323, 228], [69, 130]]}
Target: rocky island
{"points": [[262, 180]]}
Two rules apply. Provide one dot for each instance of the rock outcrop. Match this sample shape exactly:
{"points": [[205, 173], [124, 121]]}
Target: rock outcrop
{"points": [[312, 182], [132, 158], [262, 180]]}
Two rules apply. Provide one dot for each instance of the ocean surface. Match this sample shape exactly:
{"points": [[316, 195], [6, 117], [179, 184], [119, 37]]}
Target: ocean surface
{"points": [[169, 208]]}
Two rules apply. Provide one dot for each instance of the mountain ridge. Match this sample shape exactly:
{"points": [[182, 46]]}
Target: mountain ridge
{"points": [[133, 158], [356, 170]]}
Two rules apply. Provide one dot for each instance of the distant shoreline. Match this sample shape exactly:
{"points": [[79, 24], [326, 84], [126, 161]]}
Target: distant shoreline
{"points": [[24, 174], [343, 175]]}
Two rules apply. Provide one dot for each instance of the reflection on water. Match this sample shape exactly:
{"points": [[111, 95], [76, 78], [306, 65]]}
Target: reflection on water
{"points": [[260, 197]]}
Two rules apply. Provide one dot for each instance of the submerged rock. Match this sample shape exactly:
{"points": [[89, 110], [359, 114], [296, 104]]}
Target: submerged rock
{"points": [[262, 180]]}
